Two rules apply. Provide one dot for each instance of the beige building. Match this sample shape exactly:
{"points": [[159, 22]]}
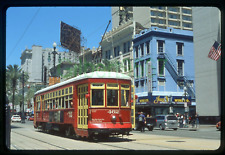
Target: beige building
{"points": [[160, 16], [117, 45]]}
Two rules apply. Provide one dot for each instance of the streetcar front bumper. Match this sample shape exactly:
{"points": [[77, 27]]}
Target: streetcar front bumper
{"points": [[110, 131]]}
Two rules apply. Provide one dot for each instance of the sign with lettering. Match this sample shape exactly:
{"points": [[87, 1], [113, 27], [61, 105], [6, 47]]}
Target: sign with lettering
{"points": [[143, 100], [149, 77], [113, 112], [165, 99]]}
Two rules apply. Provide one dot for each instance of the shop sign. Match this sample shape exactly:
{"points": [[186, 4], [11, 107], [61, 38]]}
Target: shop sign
{"points": [[143, 100], [181, 100], [165, 99], [159, 99]]}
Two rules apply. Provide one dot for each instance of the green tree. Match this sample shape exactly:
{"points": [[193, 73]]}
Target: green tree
{"points": [[13, 74], [87, 67], [30, 94]]}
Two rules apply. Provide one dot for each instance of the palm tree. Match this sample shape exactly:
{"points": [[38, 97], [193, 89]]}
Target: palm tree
{"points": [[13, 73]]}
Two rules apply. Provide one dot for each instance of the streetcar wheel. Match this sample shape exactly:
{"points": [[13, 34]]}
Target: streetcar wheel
{"points": [[43, 127], [68, 132]]}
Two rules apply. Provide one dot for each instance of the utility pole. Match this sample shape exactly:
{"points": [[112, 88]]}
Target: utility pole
{"points": [[23, 117]]}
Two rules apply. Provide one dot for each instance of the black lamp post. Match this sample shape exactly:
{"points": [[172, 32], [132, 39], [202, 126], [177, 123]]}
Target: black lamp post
{"points": [[49, 58], [54, 53]]}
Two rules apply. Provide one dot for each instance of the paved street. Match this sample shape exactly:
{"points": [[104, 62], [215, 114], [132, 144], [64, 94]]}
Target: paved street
{"points": [[25, 137]]}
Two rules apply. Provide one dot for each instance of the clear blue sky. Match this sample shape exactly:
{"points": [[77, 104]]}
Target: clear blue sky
{"points": [[27, 26]]}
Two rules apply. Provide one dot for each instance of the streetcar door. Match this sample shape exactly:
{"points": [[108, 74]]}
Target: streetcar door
{"points": [[82, 107], [133, 106]]}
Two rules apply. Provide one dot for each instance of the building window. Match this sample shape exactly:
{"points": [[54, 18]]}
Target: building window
{"points": [[142, 83], [142, 68], [116, 51], [187, 25], [180, 48], [136, 67], [160, 46], [173, 9], [186, 11], [107, 54], [174, 23], [180, 65], [142, 49], [147, 47], [136, 51], [124, 47], [161, 67], [128, 46], [136, 84], [188, 18]]}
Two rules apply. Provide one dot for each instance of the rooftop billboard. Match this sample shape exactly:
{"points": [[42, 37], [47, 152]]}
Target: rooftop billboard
{"points": [[70, 37]]}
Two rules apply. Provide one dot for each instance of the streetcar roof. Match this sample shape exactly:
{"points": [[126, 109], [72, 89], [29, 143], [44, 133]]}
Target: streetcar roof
{"points": [[96, 74]]}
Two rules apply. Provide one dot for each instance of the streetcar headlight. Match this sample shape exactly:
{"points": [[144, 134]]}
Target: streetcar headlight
{"points": [[113, 118]]}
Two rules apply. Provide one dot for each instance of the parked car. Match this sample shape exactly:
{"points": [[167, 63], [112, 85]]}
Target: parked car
{"points": [[218, 125], [16, 118], [31, 118], [166, 122]]}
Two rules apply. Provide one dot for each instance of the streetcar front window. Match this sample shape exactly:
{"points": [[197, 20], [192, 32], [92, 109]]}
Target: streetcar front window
{"points": [[112, 97], [112, 94], [97, 97], [125, 95]]}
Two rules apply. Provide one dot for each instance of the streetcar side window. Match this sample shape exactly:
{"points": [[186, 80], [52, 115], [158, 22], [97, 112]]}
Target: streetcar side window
{"points": [[125, 95], [38, 106], [97, 97], [112, 94], [98, 94]]}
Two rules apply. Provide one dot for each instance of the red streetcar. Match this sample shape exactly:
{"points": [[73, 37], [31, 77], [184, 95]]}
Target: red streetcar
{"points": [[89, 105]]}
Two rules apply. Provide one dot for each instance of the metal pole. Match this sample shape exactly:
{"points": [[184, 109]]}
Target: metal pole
{"points": [[54, 52], [23, 119]]}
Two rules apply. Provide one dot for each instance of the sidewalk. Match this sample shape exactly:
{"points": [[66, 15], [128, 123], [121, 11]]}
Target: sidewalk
{"points": [[200, 127]]}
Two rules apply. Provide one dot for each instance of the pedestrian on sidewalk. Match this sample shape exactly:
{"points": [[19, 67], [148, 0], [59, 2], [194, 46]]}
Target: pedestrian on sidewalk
{"points": [[184, 122], [142, 120], [197, 120]]}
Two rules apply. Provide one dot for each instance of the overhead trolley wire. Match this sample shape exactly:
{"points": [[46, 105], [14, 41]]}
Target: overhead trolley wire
{"points": [[31, 21]]}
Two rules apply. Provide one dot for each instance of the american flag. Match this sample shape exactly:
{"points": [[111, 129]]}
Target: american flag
{"points": [[215, 51]]}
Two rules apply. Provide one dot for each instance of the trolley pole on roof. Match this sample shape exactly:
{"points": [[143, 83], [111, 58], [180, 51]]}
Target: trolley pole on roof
{"points": [[101, 40]]}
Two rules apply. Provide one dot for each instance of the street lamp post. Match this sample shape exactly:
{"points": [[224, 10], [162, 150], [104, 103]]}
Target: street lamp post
{"points": [[185, 103], [54, 53]]}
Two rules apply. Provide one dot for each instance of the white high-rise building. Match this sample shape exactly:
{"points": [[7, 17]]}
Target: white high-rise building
{"points": [[161, 16], [38, 62]]}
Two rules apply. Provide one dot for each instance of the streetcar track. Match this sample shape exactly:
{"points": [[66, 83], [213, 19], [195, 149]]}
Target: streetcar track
{"points": [[39, 141], [118, 147], [169, 148], [111, 145]]}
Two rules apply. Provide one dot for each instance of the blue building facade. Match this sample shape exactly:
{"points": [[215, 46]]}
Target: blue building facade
{"points": [[164, 73]]}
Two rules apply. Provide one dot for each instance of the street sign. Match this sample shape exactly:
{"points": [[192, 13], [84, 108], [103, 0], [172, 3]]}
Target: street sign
{"points": [[149, 77]]}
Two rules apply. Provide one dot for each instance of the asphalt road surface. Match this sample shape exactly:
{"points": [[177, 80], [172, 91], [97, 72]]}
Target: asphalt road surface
{"points": [[25, 137]]}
